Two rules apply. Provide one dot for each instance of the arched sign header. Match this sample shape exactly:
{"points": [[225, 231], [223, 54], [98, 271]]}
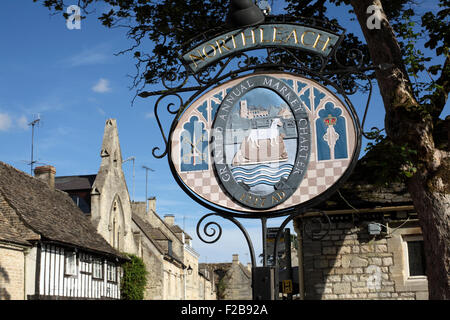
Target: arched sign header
{"points": [[262, 36]]}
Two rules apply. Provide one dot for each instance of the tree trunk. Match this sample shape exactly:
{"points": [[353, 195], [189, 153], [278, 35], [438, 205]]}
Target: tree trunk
{"points": [[407, 124]]}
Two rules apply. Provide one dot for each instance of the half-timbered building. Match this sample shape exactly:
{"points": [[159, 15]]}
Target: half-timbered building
{"points": [[48, 248]]}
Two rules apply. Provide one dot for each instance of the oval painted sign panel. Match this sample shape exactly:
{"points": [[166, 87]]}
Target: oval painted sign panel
{"points": [[258, 163], [263, 143]]}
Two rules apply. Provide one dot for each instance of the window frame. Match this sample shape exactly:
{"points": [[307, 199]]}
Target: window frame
{"points": [[98, 262], [407, 269], [70, 254], [402, 231], [85, 261], [114, 272]]}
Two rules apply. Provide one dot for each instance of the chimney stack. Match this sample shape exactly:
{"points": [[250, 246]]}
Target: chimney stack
{"points": [[169, 219], [151, 204], [235, 258], [46, 174]]}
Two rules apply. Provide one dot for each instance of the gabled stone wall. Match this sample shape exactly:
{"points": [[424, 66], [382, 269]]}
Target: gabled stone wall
{"points": [[348, 263]]}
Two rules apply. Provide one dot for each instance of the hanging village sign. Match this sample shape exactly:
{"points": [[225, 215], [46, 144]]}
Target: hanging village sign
{"points": [[264, 139], [265, 143], [271, 135]]}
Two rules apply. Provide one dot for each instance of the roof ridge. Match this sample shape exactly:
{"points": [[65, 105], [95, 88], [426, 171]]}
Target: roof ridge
{"points": [[167, 226]]}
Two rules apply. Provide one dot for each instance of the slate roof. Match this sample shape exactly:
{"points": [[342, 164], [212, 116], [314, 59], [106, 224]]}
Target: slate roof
{"points": [[176, 229], [48, 212], [9, 230], [363, 189], [153, 234], [81, 182]]}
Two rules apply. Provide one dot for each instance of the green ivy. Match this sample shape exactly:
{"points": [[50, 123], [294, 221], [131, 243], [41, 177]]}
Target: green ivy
{"points": [[134, 279]]}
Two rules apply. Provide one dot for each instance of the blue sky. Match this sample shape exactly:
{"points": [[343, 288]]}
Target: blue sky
{"points": [[73, 80]]}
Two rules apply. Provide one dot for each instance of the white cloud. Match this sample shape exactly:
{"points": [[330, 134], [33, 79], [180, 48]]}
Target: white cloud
{"points": [[5, 122], [22, 122], [149, 115], [101, 111], [100, 54], [102, 86]]}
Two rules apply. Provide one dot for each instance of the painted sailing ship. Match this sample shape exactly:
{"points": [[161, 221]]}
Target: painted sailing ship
{"points": [[260, 159], [262, 145]]}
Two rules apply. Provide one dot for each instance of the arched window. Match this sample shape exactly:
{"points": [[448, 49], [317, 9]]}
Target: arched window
{"points": [[116, 224]]}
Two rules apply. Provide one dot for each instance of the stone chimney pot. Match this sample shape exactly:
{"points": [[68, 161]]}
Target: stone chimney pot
{"points": [[151, 204], [169, 219], [46, 174]]}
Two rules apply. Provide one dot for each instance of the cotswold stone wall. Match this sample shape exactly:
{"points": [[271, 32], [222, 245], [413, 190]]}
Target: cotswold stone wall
{"points": [[11, 273], [349, 263]]}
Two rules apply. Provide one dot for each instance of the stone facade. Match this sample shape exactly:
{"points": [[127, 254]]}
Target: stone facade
{"points": [[110, 201], [162, 252], [206, 288], [172, 263], [12, 273], [240, 281], [233, 280], [374, 247], [349, 263], [193, 277]]}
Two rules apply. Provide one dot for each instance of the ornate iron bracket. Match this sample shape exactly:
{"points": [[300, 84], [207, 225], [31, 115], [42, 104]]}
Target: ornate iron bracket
{"points": [[211, 228]]}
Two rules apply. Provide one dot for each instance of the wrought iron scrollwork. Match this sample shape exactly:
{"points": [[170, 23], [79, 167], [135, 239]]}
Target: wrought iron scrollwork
{"points": [[315, 66], [353, 55], [214, 231], [209, 229], [158, 121], [174, 77]]}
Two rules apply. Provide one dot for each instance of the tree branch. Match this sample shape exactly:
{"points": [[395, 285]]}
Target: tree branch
{"points": [[440, 95]]}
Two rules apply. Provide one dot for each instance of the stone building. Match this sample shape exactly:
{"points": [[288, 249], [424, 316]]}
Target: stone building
{"points": [[130, 227], [233, 280], [374, 247], [168, 281], [207, 287], [251, 112], [178, 276], [48, 249]]}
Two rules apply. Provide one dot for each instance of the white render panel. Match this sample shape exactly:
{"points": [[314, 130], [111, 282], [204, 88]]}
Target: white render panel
{"points": [[53, 280]]}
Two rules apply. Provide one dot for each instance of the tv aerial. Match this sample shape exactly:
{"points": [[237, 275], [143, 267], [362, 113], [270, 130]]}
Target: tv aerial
{"points": [[34, 123]]}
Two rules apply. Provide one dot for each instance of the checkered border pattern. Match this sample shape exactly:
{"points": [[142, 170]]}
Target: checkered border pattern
{"points": [[319, 177]]}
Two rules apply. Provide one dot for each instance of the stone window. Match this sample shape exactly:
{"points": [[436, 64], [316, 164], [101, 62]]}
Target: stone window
{"points": [[408, 271], [414, 257], [169, 248]]}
